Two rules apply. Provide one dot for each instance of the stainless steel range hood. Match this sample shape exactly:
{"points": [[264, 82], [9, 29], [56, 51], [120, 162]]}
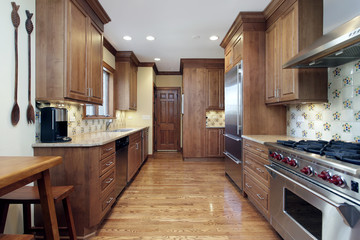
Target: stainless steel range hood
{"points": [[340, 46]]}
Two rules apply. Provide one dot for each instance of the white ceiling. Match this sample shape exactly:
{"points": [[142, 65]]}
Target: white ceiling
{"points": [[174, 23]]}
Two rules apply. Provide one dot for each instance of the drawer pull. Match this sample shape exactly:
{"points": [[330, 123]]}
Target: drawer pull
{"points": [[110, 200], [259, 170], [260, 150], [248, 145], [260, 197], [109, 180], [108, 149], [109, 163], [247, 162], [247, 185]]}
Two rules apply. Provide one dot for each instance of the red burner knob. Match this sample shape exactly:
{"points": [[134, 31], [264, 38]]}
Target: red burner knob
{"points": [[324, 175], [337, 180], [273, 154], [279, 157], [293, 163], [285, 160], [307, 171]]}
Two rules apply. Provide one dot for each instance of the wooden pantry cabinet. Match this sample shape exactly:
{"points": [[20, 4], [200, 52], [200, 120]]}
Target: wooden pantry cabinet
{"points": [[293, 26], [68, 59], [256, 178], [126, 81], [91, 170]]}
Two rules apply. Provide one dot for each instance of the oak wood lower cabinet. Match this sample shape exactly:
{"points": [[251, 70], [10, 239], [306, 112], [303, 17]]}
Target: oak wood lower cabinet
{"points": [[256, 178], [68, 60], [215, 142], [145, 144], [134, 155], [91, 170]]}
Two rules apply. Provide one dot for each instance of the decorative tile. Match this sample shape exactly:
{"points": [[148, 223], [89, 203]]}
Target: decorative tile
{"points": [[311, 107], [336, 137], [357, 91], [347, 81], [357, 139], [337, 116], [346, 127], [347, 104], [304, 133], [336, 94], [298, 124], [327, 106], [298, 107], [318, 135], [311, 125], [327, 126], [318, 116], [357, 66], [336, 72], [357, 116]]}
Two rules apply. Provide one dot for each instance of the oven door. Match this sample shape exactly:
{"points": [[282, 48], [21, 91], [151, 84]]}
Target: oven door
{"points": [[300, 209]]}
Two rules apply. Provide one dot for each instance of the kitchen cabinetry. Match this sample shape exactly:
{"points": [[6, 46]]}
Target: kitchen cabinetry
{"points": [[256, 178], [215, 142], [126, 81], [134, 155], [195, 78], [91, 170], [234, 52], [214, 89], [68, 60], [247, 39], [145, 144], [297, 27]]}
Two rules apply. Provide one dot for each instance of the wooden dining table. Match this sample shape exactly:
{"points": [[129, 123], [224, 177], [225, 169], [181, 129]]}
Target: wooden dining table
{"points": [[16, 172]]}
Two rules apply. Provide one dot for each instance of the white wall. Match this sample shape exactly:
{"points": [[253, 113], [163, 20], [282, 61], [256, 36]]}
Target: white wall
{"points": [[15, 140], [143, 116], [337, 12]]}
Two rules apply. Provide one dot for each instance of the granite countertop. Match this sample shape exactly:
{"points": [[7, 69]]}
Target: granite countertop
{"points": [[269, 138], [92, 139]]}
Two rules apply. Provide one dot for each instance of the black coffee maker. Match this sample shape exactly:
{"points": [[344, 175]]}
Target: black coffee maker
{"points": [[54, 125]]}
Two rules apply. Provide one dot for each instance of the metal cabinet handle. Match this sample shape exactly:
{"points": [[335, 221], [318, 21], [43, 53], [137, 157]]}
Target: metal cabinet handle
{"points": [[247, 185], [110, 200], [108, 149], [260, 197], [249, 163], [259, 170], [248, 145], [109, 163], [233, 138], [232, 158], [260, 150], [109, 180], [137, 146]]}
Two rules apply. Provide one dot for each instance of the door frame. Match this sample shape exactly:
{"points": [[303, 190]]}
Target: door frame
{"points": [[178, 126]]}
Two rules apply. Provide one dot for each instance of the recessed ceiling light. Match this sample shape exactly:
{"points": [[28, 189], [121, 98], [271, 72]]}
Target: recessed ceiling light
{"points": [[150, 38], [214, 38], [127, 38], [157, 59]]}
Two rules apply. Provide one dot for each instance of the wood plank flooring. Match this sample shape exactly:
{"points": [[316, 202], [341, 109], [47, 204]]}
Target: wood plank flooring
{"points": [[173, 199]]}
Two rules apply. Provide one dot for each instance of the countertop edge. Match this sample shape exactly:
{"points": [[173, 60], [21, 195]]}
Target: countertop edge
{"points": [[95, 144], [262, 139]]}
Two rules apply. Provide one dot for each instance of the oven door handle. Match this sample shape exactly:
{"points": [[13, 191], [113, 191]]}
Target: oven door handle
{"points": [[232, 158], [348, 212]]}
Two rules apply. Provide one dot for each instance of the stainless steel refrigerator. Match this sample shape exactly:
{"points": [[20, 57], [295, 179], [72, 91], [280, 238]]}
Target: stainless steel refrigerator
{"points": [[233, 124]]}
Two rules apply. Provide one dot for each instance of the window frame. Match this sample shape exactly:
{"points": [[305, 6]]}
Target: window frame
{"points": [[111, 71]]}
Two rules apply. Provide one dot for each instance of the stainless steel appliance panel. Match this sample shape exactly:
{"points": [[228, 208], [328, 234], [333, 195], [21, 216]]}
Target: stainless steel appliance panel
{"points": [[233, 168], [121, 164], [233, 145], [301, 209]]}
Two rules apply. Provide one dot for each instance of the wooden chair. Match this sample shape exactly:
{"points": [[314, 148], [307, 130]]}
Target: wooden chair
{"points": [[16, 237], [30, 195]]}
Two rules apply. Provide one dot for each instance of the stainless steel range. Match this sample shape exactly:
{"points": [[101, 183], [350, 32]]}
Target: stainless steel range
{"points": [[315, 189]]}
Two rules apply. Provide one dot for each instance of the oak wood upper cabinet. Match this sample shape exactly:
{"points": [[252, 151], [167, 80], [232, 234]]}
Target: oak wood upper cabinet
{"points": [[214, 89], [214, 142], [238, 50], [234, 52], [229, 60], [134, 155], [298, 26], [69, 59], [126, 81]]}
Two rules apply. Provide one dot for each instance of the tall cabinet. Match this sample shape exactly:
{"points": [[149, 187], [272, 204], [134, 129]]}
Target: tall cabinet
{"points": [[290, 28], [69, 59], [203, 89]]}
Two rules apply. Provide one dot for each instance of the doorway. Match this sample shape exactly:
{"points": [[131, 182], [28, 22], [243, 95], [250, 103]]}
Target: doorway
{"points": [[167, 119]]}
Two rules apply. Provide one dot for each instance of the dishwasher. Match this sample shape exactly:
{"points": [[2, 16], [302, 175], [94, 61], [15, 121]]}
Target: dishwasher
{"points": [[121, 164]]}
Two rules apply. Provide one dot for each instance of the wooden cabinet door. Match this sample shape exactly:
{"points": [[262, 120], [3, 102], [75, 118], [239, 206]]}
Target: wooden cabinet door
{"points": [[222, 142], [132, 161], [213, 142], [289, 48], [133, 88], [215, 89], [272, 62], [238, 50], [95, 61], [228, 58], [76, 82]]}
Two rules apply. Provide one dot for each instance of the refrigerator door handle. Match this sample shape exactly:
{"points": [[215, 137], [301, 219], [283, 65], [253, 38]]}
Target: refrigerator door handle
{"points": [[233, 138], [239, 76], [232, 158]]}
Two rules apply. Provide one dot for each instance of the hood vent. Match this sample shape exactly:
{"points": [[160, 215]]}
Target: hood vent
{"points": [[335, 48]]}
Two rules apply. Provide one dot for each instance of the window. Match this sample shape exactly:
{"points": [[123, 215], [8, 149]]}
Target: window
{"points": [[106, 110]]}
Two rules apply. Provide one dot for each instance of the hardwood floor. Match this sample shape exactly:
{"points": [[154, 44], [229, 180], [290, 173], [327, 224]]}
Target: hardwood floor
{"points": [[173, 199]]}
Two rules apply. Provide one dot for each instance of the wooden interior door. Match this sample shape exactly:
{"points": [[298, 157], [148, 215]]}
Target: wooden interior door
{"points": [[167, 119]]}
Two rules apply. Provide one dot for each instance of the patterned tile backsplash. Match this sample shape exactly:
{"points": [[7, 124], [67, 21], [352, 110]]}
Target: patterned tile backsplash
{"points": [[215, 118], [338, 119], [79, 126]]}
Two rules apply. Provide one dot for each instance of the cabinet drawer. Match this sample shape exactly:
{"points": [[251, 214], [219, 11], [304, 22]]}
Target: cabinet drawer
{"points": [[106, 164], [107, 149], [107, 202], [257, 148], [136, 137], [257, 167], [107, 180], [258, 194]]}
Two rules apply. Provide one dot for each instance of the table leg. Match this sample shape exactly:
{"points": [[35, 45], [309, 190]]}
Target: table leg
{"points": [[48, 207]]}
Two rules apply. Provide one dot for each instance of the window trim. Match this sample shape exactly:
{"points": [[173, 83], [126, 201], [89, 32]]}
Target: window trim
{"points": [[111, 72]]}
